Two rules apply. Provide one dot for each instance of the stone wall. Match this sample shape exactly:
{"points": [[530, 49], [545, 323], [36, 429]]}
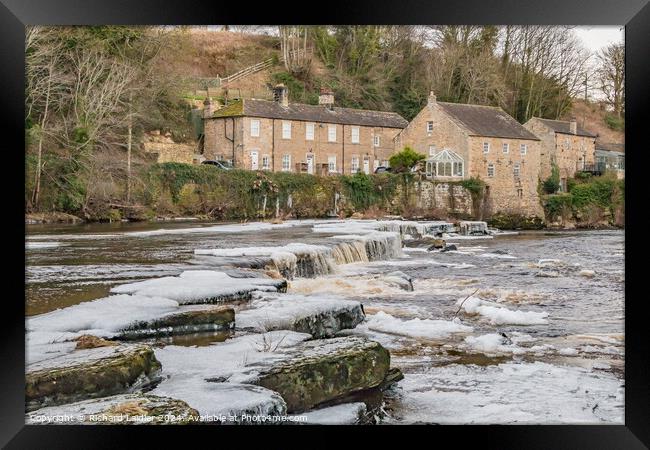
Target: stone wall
{"points": [[166, 150], [450, 197]]}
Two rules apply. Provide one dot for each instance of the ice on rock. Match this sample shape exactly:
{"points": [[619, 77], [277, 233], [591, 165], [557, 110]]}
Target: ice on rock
{"points": [[416, 328], [318, 316], [345, 414], [200, 286], [499, 315]]}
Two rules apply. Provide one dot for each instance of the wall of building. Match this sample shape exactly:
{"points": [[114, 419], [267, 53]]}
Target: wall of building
{"points": [[271, 144], [452, 198], [506, 192], [166, 150]]}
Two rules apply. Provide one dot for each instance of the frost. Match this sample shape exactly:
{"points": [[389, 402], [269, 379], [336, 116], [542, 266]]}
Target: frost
{"points": [[499, 315], [417, 328]]}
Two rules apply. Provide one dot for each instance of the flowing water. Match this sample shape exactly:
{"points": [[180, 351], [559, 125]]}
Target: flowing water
{"points": [[525, 328]]}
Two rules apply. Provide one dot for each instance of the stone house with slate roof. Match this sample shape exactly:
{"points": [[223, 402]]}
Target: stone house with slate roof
{"points": [[463, 141], [281, 136], [566, 144]]}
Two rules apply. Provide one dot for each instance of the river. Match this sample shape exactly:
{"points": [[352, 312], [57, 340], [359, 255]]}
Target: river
{"points": [[519, 328]]}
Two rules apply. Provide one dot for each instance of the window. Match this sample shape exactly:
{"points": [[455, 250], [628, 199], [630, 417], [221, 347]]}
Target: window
{"points": [[385, 163], [432, 150], [490, 170], [286, 163], [506, 147], [429, 127], [377, 141], [445, 164], [355, 164], [355, 135], [331, 164], [255, 128], [486, 147], [266, 162], [520, 192], [309, 132], [523, 148], [286, 130], [516, 170], [331, 133]]}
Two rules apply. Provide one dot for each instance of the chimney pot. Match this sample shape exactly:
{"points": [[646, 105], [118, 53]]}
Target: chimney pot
{"points": [[573, 126], [281, 94], [432, 98], [208, 107]]}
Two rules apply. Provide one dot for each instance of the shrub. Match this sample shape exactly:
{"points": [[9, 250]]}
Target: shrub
{"points": [[558, 205], [405, 160], [615, 123], [552, 184]]}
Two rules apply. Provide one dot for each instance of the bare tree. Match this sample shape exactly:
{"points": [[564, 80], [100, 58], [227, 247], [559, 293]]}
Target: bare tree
{"points": [[611, 76], [295, 50]]}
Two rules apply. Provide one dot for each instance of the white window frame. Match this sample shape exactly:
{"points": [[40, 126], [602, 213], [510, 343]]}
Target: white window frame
{"points": [[310, 131], [354, 165], [331, 133], [376, 140], [432, 150], [255, 127], [490, 167], [506, 148], [266, 162], [523, 149], [516, 170], [445, 164], [331, 164], [286, 163], [486, 147], [286, 129], [355, 134], [429, 126]]}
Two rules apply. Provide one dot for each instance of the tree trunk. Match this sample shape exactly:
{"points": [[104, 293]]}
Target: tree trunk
{"points": [[39, 160], [128, 152]]}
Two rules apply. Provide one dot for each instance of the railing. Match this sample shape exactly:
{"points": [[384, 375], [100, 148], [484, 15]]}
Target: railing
{"points": [[598, 167]]}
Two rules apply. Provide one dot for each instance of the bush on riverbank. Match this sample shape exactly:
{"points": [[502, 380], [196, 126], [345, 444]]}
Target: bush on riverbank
{"points": [[590, 202]]}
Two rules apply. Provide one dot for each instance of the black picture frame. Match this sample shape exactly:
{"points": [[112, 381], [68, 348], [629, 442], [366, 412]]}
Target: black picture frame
{"points": [[634, 14]]}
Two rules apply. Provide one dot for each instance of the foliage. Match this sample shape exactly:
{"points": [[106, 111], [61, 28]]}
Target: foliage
{"points": [[614, 122], [558, 205], [405, 160], [552, 184], [505, 221]]}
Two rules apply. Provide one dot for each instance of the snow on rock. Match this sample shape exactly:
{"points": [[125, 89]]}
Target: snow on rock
{"points": [[124, 409], [38, 245], [499, 315], [201, 286], [318, 316], [416, 328], [345, 414], [511, 393]]}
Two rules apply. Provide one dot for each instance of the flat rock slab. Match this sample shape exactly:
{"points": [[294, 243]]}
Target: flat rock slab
{"points": [[212, 318], [91, 373], [126, 409], [319, 317], [324, 370], [202, 286]]}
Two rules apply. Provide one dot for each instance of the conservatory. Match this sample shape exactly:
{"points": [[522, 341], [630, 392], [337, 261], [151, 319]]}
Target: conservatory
{"points": [[445, 164]]}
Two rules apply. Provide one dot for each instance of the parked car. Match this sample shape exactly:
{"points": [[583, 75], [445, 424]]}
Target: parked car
{"points": [[218, 164], [383, 169]]}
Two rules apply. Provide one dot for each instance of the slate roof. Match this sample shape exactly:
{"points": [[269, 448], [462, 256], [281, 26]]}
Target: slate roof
{"points": [[562, 126], [488, 121], [312, 113], [610, 147]]}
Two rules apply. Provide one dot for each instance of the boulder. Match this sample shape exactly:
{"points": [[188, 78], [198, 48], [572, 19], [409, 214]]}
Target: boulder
{"points": [[449, 248], [186, 322], [321, 371], [437, 244], [400, 279], [125, 409], [91, 373]]}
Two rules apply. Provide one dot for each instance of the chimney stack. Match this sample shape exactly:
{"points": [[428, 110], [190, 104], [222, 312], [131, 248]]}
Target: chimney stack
{"points": [[432, 98], [281, 94], [326, 98], [573, 126]]}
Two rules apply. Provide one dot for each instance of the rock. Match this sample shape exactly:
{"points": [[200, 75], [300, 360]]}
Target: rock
{"points": [[500, 252], [393, 375], [400, 279], [548, 274], [89, 341], [92, 373], [449, 248], [437, 243], [322, 371], [318, 317], [587, 273], [126, 409], [187, 322], [344, 414]]}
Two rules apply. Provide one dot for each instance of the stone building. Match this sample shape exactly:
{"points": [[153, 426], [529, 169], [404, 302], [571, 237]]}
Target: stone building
{"points": [[281, 136], [463, 141], [565, 144], [610, 157]]}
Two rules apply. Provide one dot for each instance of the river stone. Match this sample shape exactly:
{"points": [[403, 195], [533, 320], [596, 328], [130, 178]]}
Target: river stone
{"points": [[186, 322], [400, 279], [125, 409], [91, 373], [436, 244], [324, 370]]}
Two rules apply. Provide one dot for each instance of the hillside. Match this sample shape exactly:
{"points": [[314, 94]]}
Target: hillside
{"points": [[592, 117]]}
